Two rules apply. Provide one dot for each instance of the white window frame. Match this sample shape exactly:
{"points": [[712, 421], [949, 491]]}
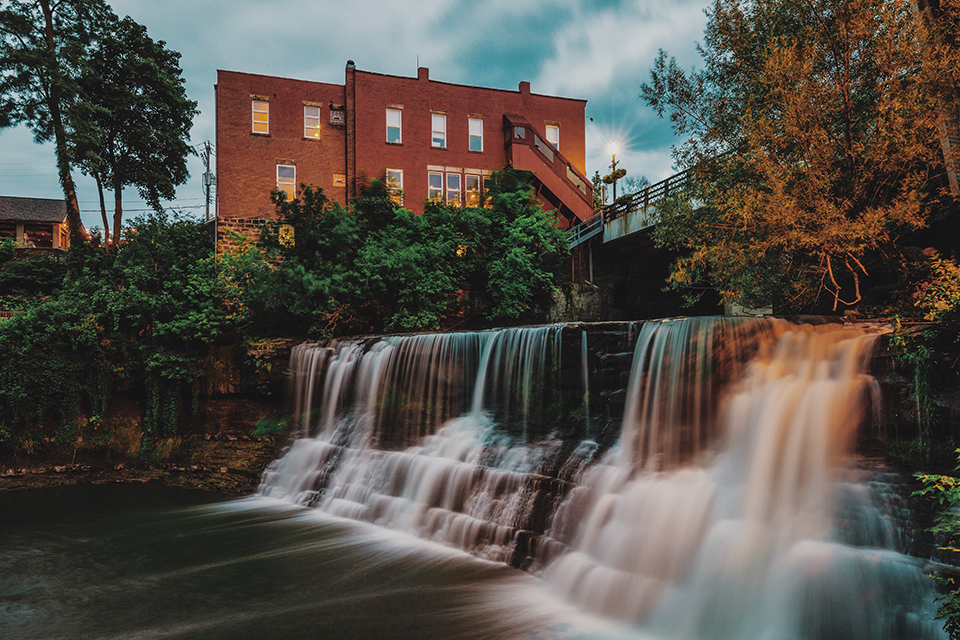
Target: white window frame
{"points": [[475, 133], [261, 126], [438, 130], [287, 185], [435, 193], [467, 190], [394, 183], [553, 135], [452, 194], [398, 126], [311, 122]]}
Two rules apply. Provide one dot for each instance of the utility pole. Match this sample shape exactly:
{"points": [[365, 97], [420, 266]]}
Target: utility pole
{"points": [[209, 180]]}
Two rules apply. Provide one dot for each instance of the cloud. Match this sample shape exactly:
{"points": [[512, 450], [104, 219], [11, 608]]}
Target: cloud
{"points": [[607, 47], [604, 53]]}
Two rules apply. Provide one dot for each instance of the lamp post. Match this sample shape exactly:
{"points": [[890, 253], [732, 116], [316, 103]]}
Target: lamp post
{"points": [[613, 148]]}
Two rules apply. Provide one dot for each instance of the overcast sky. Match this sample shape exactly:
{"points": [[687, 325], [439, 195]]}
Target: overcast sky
{"points": [[598, 50]]}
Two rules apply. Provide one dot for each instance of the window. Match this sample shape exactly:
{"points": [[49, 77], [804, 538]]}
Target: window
{"points": [[473, 191], [434, 186], [453, 189], [476, 134], [336, 115], [261, 116], [553, 135], [287, 180], [311, 122], [439, 127], [339, 180], [395, 185], [393, 126]]}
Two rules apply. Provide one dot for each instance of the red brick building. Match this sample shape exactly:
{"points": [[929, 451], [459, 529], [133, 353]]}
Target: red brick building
{"points": [[424, 138]]}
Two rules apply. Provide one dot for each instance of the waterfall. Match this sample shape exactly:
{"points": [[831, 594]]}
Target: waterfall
{"points": [[728, 504]]}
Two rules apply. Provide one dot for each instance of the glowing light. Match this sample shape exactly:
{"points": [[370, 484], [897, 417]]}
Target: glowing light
{"points": [[613, 148]]}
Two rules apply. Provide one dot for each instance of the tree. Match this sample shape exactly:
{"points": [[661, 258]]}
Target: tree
{"points": [[376, 267], [132, 119], [43, 47], [812, 132]]}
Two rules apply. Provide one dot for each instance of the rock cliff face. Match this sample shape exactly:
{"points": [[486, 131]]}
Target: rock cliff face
{"points": [[215, 447]]}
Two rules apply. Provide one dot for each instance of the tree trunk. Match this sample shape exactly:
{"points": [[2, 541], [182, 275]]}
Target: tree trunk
{"points": [[117, 210], [103, 211], [63, 161]]}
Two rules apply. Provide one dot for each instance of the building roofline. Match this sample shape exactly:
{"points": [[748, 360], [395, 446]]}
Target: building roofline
{"points": [[38, 210], [399, 77], [471, 86], [266, 75]]}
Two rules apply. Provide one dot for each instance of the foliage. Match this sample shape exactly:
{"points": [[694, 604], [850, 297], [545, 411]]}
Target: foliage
{"points": [[8, 249], [375, 267], [131, 121], [939, 296], [147, 315], [43, 49], [32, 275], [633, 184], [945, 492], [916, 352], [812, 131], [598, 191], [269, 426], [111, 98]]}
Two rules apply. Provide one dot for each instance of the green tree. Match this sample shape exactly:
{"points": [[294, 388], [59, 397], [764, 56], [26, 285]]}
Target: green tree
{"points": [[376, 267], [812, 130], [132, 119], [147, 314], [945, 492], [43, 48]]}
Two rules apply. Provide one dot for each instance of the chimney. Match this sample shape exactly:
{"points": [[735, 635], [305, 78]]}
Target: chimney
{"points": [[423, 74], [524, 88]]}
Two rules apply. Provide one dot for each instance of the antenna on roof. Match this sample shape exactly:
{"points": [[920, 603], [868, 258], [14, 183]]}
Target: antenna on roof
{"points": [[418, 61]]}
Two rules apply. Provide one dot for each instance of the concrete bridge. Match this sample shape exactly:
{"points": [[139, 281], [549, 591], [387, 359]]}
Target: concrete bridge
{"points": [[628, 215]]}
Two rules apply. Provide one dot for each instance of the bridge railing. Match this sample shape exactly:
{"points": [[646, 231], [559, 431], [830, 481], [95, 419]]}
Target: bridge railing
{"points": [[638, 201], [585, 230], [647, 196]]}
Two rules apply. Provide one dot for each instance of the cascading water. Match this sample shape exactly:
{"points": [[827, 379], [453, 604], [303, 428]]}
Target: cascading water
{"points": [[728, 506]]}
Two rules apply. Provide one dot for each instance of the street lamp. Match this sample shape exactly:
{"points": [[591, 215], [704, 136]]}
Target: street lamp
{"points": [[612, 148]]}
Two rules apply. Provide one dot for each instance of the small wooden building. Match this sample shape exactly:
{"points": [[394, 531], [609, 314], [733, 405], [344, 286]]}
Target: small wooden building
{"points": [[35, 223]]}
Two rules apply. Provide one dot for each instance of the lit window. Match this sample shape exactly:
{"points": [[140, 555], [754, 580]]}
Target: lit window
{"points": [[472, 191], [553, 135], [339, 180], [395, 185], [476, 134], [453, 189], [287, 180], [311, 122], [261, 116], [439, 138], [393, 126], [434, 186]]}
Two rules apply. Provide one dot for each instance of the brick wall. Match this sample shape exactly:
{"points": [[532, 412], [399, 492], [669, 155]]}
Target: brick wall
{"points": [[357, 150], [418, 98], [247, 162], [248, 227]]}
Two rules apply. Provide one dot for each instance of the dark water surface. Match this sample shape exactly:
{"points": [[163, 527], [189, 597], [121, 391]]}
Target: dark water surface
{"points": [[141, 561]]}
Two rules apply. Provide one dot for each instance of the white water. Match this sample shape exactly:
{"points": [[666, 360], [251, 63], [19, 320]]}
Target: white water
{"points": [[730, 509]]}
